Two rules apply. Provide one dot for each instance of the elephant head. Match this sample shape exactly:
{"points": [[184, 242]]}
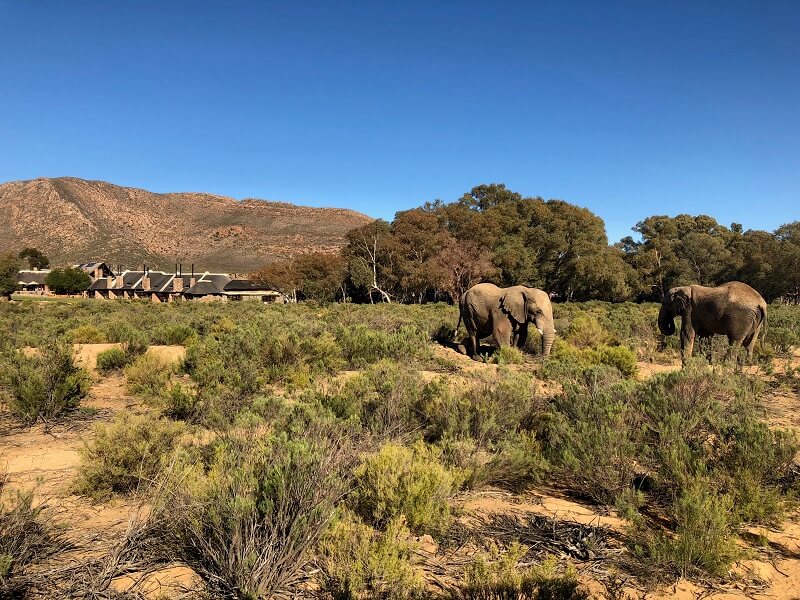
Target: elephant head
{"points": [[675, 304], [530, 305]]}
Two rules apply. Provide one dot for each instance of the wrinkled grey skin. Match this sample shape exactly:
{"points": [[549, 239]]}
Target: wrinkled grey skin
{"points": [[504, 314], [733, 309]]}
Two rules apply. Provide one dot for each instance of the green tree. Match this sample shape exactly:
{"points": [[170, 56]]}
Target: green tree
{"points": [[9, 269], [35, 258], [370, 259], [68, 281]]}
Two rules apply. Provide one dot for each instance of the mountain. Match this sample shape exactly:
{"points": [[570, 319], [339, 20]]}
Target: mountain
{"points": [[74, 220]]}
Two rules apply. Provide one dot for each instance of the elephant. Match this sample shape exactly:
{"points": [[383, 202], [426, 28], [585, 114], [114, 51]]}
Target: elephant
{"points": [[504, 313], [733, 309]]}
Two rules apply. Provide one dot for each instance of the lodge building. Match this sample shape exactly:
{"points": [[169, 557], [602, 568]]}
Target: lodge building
{"points": [[156, 286]]}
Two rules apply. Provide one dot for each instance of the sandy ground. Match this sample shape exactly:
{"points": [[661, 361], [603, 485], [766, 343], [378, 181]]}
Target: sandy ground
{"points": [[48, 460]]}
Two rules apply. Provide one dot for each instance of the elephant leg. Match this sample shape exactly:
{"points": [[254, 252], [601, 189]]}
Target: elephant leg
{"points": [[687, 345], [522, 337], [473, 345], [503, 334], [750, 343], [734, 345]]}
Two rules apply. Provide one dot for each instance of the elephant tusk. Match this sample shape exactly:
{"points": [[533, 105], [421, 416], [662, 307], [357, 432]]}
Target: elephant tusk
{"points": [[540, 330]]}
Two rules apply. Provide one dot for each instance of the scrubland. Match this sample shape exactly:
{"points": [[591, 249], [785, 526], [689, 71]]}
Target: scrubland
{"points": [[348, 451]]}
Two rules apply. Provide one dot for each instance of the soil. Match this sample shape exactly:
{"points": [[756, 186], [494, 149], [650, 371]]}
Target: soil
{"points": [[47, 460]]}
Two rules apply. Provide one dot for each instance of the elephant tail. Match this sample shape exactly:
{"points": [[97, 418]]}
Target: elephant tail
{"points": [[455, 331], [763, 313]]}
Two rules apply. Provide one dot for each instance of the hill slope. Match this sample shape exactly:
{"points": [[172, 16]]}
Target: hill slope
{"points": [[73, 220]]}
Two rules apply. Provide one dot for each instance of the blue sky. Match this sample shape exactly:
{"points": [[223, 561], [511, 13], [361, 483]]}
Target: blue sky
{"points": [[628, 108]]}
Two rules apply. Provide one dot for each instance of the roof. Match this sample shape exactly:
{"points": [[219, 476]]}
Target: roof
{"points": [[90, 267], [27, 277], [247, 285], [203, 288]]}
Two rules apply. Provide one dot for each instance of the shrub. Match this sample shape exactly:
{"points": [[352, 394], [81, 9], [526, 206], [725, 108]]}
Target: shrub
{"points": [[623, 359], [593, 434], [248, 521], [703, 536], [178, 335], [517, 463], [567, 361], [409, 482], [129, 451], [488, 411], [386, 399], [28, 536], [112, 359], [498, 576], [45, 385], [88, 334], [179, 401], [356, 560], [585, 331], [147, 376], [362, 346], [508, 355]]}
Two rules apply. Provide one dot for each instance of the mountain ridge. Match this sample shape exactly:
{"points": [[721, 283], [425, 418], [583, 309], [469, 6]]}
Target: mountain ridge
{"points": [[76, 220]]}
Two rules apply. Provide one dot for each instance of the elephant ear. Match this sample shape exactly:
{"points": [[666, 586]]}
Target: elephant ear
{"points": [[514, 303]]}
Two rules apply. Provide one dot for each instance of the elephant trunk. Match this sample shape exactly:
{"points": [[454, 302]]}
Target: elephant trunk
{"points": [[666, 321], [547, 340], [545, 326]]}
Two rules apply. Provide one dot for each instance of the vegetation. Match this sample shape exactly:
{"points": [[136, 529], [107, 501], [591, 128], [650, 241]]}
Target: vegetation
{"points": [[36, 259], [44, 384], [320, 445], [9, 267], [68, 281], [126, 454], [29, 535]]}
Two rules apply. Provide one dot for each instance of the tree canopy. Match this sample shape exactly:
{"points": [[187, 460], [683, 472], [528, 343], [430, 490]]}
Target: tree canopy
{"points": [[67, 281], [9, 267], [491, 233], [35, 258]]}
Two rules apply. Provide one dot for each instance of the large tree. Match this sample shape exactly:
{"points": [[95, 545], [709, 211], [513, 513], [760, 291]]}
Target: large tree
{"points": [[35, 258], [9, 269], [68, 281]]}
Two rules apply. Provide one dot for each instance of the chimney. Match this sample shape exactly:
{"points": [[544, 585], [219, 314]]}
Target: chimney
{"points": [[109, 282], [177, 284], [146, 283], [120, 281]]}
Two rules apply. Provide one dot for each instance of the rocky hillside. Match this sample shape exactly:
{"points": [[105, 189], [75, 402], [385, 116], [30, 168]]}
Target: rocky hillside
{"points": [[74, 220]]}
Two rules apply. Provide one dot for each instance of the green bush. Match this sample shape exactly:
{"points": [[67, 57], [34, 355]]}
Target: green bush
{"points": [[498, 576], [45, 385], [179, 401], [508, 355], [567, 361], [148, 376], [585, 331], [126, 453], [113, 359], [248, 521], [362, 345], [488, 411], [178, 335], [357, 561], [88, 334], [386, 399], [400, 481], [516, 463], [703, 537], [134, 343], [593, 434]]}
